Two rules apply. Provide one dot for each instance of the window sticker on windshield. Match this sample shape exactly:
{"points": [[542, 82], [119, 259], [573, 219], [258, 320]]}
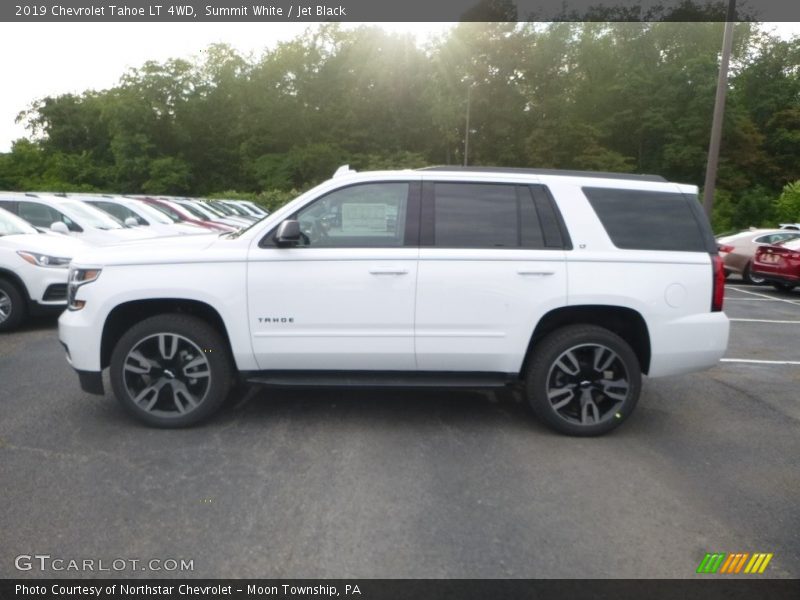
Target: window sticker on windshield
{"points": [[363, 218]]}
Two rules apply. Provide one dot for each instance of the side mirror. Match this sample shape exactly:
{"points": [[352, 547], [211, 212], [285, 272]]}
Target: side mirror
{"points": [[288, 233], [131, 222], [59, 227]]}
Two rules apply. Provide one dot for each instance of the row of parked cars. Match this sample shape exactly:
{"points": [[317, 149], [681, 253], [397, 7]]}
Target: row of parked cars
{"points": [[764, 256], [40, 233]]}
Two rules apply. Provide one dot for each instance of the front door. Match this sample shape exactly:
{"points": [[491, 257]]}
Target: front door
{"points": [[342, 299]]}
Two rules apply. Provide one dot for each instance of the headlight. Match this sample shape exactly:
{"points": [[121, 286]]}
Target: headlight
{"points": [[77, 278], [42, 260]]}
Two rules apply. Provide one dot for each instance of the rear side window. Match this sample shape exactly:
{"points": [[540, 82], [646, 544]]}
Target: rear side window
{"points": [[485, 215], [643, 220]]}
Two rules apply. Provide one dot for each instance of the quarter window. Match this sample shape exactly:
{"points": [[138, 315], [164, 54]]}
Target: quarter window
{"points": [[644, 220]]}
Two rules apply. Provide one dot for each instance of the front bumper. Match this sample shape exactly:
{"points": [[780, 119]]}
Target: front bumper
{"points": [[91, 382]]}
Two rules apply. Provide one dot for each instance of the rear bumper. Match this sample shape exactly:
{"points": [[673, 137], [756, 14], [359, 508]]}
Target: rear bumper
{"points": [[689, 344], [775, 276]]}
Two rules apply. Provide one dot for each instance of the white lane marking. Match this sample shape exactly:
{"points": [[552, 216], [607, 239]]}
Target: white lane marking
{"points": [[764, 321], [765, 296], [753, 361]]}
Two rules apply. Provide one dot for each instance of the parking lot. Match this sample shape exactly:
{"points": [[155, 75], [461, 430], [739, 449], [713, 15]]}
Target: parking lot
{"points": [[412, 484]]}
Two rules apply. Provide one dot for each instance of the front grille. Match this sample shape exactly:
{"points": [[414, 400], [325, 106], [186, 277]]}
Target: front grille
{"points": [[55, 292]]}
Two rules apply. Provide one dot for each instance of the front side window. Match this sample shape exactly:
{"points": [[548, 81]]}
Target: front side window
{"points": [[360, 216], [41, 215]]}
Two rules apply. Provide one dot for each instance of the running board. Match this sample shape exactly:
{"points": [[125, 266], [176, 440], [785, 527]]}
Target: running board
{"points": [[374, 379]]}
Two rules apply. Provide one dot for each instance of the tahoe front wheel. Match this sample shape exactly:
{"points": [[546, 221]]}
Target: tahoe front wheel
{"points": [[171, 370], [583, 380]]}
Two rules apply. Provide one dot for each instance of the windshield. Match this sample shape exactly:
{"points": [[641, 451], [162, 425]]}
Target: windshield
{"points": [[238, 210], [221, 208], [167, 210], [209, 210], [150, 213], [791, 243], [13, 225], [88, 215], [195, 211]]}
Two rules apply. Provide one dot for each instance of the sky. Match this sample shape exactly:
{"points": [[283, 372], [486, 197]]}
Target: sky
{"points": [[48, 59]]}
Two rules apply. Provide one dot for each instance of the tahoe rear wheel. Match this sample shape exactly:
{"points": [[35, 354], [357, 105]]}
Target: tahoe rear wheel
{"points": [[171, 370], [583, 380]]}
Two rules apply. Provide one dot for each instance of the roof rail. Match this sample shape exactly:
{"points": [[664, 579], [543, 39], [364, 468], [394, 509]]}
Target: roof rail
{"points": [[562, 172]]}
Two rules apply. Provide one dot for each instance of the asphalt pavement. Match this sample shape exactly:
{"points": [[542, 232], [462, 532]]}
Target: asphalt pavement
{"points": [[368, 484]]}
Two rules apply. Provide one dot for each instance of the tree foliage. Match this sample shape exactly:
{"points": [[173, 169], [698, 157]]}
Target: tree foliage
{"points": [[630, 97]]}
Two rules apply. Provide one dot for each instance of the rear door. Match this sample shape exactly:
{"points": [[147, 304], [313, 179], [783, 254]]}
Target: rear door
{"points": [[492, 263]]}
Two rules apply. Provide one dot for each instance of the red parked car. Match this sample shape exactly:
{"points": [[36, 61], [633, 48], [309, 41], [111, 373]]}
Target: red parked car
{"points": [[779, 264]]}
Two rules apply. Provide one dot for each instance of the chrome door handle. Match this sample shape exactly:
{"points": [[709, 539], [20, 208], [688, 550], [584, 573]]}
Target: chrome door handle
{"points": [[388, 271], [536, 273]]}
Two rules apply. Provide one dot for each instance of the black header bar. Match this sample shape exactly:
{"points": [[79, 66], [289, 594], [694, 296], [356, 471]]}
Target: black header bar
{"points": [[149, 11]]}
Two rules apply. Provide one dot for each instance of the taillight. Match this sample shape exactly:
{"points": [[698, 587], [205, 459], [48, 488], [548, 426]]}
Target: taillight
{"points": [[719, 283], [725, 248]]}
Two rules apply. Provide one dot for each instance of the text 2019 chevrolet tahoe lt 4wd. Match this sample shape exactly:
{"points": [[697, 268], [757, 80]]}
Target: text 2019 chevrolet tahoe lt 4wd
{"points": [[571, 284]]}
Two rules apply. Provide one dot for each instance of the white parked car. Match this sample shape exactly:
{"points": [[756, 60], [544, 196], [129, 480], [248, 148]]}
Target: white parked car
{"points": [[568, 285], [33, 270], [71, 217], [136, 213]]}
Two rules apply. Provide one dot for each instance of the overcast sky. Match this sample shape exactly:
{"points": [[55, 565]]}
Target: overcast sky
{"points": [[45, 59]]}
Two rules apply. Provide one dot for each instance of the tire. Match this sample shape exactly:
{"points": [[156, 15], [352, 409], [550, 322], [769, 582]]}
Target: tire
{"points": [[12, 306], [566, 411], [748, 277], [784, 287], [178, 366]]}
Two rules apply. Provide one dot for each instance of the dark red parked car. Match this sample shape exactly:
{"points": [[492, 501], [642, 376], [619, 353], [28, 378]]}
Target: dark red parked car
{"points": [[779, 264]]}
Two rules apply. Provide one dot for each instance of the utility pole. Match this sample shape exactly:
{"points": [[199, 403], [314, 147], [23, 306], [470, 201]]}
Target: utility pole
{"points": [[466, 132], [719, 111]]}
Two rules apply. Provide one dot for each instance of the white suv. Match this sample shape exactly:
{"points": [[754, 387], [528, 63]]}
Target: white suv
{"points": [[569, 284], [33, 270]]}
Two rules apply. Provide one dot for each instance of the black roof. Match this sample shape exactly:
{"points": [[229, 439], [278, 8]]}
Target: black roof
{"points": [[523, 171]]}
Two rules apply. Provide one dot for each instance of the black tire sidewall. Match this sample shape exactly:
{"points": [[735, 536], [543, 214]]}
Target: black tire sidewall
{"points": [[550, 348], [18, 308], [199, 332], [747, 276], [784, 287]]}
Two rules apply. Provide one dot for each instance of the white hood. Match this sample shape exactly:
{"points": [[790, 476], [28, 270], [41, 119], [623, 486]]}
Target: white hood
{"points": [[181, 248], [61, 246]]}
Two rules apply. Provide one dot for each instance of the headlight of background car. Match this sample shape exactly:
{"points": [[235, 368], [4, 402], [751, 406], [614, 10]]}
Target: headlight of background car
{"points": [[42, 260], [77, 278]]}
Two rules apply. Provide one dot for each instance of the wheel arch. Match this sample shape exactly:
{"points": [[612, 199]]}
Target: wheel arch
{"points": [[625, 322], [123, 316], [17, 282]]}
